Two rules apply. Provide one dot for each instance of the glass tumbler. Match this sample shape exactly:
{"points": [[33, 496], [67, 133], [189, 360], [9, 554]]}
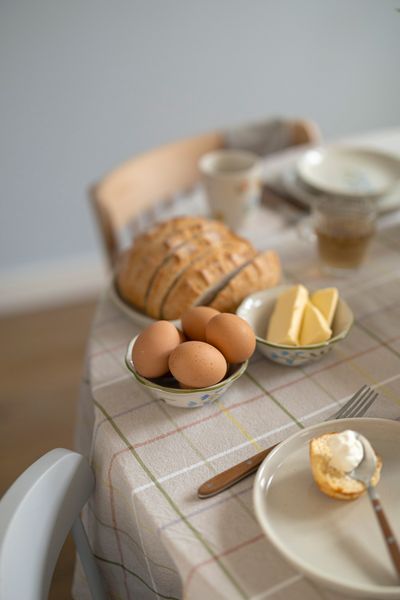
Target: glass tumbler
{"points": [[344, 228]]}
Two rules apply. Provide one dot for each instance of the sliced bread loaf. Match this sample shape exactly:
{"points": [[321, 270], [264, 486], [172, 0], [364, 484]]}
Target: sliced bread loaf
{"points": [[138, 265], [202, 279], [261, 272], [178, 260]]}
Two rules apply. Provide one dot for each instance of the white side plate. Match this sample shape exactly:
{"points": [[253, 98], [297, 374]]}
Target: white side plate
{"points": [[352, 172], [335, 542], [295, 187], [137, 317]]}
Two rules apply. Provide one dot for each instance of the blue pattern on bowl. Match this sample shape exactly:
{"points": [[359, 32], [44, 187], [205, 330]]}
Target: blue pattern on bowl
{"points": [[180, 397], [295, 357], [256, 310]]}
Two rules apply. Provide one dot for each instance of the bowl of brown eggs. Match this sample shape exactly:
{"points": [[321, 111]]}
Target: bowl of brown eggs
{"points": [[195, 365]]}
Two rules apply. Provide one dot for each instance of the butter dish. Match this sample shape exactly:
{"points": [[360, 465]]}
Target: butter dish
{"points": [[257, 309]]}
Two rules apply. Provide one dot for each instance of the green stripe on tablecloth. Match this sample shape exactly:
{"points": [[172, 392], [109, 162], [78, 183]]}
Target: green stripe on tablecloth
{"points": [[136, 544], [169, 499], [117, 564], [386, 345], [281, 406], [197, 451], [376, 337]]}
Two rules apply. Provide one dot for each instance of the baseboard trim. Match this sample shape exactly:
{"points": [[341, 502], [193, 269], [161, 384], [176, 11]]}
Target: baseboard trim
{"points": [[51, 283]]}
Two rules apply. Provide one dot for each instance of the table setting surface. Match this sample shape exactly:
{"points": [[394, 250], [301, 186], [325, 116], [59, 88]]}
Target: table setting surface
{"points": [[153, 537]]}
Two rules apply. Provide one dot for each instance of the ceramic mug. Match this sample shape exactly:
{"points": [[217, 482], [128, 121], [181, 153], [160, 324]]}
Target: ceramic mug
{"points": [[232, 182]]}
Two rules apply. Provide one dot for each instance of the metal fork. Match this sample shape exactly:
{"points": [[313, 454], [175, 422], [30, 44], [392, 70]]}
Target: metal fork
{"points": [[356, 406]]}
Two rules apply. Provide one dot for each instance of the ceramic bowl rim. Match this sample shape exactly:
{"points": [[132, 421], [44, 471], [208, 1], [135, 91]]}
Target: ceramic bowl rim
{"points": [[340, 336], [179, 392]]}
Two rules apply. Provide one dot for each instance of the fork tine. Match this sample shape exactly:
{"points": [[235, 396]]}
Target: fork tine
{"points": [[365, 396], [363, 409], [351, 402]]}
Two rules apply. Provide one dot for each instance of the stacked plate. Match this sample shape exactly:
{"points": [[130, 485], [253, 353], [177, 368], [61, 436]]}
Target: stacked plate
{"points": [[349, 172]]}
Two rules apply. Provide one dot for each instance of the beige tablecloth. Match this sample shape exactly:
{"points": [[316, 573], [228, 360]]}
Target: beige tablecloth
{"points": [[152, 536]]}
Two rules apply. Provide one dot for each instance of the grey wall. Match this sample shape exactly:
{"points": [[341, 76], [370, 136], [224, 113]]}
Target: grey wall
{"points": [[84, 85]]}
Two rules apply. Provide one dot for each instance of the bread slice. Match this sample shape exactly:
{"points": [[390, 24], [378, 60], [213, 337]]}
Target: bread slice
{"points": [[263, 271], [138, 265], [178, 260], [205, 276], [163, 229], [331, 481]]}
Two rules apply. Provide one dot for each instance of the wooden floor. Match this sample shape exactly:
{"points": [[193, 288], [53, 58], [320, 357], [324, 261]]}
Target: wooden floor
{"points": [[41, 359]]}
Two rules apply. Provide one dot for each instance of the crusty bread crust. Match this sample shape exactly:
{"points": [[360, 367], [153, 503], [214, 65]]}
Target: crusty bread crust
{"points": [[178, 260], [263, 271], [331, 481], [186, 261], [205, 274], [138, 265], [163, 229]]}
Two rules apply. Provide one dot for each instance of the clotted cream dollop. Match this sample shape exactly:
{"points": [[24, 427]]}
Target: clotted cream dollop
{"points": [[347, 450]]}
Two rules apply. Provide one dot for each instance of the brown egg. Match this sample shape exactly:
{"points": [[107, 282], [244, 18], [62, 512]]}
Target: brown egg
{"points": [[232, 335], [182, 336], [197, 364], [152, 348], [195, 319]]}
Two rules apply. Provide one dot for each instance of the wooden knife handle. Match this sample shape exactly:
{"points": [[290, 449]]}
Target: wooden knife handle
{"points": [[224, 480]]}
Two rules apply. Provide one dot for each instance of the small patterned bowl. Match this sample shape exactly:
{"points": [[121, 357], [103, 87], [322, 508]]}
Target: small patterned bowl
{"points": [[257, 309], [163, 388]]}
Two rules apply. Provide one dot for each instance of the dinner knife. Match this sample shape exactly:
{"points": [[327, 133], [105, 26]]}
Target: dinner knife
{"points": [[227, 478]]}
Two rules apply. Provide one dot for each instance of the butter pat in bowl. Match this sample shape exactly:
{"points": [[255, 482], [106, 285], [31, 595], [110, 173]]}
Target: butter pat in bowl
{"points": [[298, 334]]}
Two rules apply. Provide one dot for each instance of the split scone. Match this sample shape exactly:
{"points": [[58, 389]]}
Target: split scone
{"points": [[329, 474]]}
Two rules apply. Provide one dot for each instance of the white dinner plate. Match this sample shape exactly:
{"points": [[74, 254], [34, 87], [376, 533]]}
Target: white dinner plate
{"points": [[351, 172], [296, 188], [137, 317], [337, 543]]}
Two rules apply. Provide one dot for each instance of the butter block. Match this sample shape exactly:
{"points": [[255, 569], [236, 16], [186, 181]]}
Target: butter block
{"points": [[326, 300], [314, 328], [284, 324]]}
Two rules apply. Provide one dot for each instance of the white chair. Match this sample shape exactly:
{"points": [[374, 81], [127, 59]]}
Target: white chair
{"points": [[36, 514]]}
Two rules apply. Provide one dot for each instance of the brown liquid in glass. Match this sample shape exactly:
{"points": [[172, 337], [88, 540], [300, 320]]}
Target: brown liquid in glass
{"points": [[344, 247]]}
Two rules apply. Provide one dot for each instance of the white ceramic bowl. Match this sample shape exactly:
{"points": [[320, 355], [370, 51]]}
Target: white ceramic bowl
{"points": [[257, 309], [180, 397]]}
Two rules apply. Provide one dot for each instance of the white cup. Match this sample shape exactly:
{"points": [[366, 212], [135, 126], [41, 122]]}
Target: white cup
{"points": [[232, 181]]}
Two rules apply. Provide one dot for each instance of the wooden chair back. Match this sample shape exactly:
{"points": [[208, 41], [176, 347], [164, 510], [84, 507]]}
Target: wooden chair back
{"points": [[160, 174], [139, 183]]}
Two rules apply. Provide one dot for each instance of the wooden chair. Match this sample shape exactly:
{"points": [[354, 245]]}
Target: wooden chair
{"points": [[140, 183]]}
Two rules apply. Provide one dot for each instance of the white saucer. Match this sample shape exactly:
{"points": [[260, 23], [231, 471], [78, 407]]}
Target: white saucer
{"points": [[350, 172], [296, 188], [334, 542], [137, 317]]}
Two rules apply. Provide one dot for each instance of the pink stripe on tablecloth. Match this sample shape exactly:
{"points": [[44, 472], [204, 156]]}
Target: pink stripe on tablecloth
{"points": [[207, 506], [220, 413], [108, 350], [124, 344], [253, 398], [115, 526], [216, 557]]}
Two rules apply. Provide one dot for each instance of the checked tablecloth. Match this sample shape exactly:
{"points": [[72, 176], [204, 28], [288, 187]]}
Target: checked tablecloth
{"points": [[152, 536]]}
